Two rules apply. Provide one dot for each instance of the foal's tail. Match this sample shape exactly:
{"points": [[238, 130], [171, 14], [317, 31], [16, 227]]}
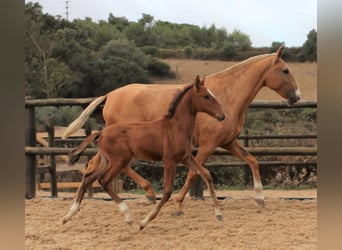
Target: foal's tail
{"points": [[75, 154], [79, 122]]}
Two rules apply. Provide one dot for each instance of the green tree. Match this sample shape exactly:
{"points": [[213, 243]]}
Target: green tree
{"points": [[240, 40], [124, 49], [309, 50], [119, 22], [39, 44]]}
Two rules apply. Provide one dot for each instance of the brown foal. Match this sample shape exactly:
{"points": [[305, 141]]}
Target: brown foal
{"points": [[168, 139]]}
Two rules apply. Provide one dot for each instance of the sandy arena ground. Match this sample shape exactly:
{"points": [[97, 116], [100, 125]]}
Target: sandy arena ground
{"points": [[282, 224]]}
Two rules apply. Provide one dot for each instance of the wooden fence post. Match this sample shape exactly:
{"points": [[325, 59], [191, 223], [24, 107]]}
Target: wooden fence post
{"points": [[30, 159], [52, 168]]}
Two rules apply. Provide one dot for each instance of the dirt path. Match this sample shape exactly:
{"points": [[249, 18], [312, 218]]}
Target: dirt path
{"points": [[282, 224]]}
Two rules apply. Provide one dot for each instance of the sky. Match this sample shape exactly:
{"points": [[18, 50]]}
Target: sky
{"points": [[264, 21]]}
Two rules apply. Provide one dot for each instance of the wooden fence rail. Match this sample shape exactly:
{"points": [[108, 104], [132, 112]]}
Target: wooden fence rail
{"points": [[31, 151]]}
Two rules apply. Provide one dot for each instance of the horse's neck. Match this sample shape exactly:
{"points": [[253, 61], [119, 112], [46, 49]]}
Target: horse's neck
{"points": [[184, 118], [237, 90]]}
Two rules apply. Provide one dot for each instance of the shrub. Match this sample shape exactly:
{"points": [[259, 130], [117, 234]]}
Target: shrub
{"points": [[188, 52], [151, 50], [158, 68]]}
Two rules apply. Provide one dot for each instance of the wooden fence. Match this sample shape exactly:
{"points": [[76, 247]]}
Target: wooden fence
{"points": [[31, 151]]}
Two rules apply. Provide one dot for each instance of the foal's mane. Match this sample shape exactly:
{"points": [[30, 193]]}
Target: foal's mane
{"points": [[240, 65], [176, 100]]}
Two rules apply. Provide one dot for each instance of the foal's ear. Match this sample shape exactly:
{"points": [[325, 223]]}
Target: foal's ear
{"points": [[203, 80], [198, 82]]}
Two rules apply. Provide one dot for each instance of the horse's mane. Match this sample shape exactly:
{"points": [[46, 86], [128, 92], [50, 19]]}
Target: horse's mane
{"points": [[176, 100], [240, 65]]}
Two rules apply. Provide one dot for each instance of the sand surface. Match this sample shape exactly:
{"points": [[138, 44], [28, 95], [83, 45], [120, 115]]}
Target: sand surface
{"points": [[282, 224]]}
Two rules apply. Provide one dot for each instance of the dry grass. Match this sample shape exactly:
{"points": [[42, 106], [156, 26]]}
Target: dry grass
{"points": [[186, 70]]}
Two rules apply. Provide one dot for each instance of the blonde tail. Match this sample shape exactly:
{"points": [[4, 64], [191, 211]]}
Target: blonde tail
{"points": [[79, 122]]}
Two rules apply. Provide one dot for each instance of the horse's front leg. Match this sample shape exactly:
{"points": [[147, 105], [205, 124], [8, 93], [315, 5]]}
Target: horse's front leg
{"points": [[192, 164], [235, 148], [143, 183]]}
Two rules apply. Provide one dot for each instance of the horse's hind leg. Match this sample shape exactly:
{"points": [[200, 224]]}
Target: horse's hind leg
{"points": [[201, 157], [192, 164], [144, 184], [106, 182], [235, 148], [95, 169]]}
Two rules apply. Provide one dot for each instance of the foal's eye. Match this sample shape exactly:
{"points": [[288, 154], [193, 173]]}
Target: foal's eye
{"points": [[286, 71]]}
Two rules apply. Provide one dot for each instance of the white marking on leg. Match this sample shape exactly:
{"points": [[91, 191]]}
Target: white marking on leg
{"points": [[147, 220], [218, 213], [124, 208], [298, 93], [73, 210], [258, 189]]}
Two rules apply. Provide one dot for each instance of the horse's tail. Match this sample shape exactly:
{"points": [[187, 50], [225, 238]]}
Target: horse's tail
{"points": [[75, 154], [79, 122]]}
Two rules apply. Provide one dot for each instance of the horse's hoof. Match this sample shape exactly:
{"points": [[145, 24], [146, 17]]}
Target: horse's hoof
{"points": [[141, 228], [64, 221], [219, 217], [178, 213], [261, 202], [151, 199]]}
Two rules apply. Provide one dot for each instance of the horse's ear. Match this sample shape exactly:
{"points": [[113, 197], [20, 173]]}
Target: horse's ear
{"points": [[203, 80], [279, 52], [198, 82]]}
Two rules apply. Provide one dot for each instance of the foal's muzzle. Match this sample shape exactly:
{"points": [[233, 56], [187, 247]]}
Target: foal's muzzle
{"points": [[222, 117]]}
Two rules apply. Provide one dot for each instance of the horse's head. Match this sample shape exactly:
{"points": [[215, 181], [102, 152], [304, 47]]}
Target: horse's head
{"points": [[279, 78], [205, 101]]}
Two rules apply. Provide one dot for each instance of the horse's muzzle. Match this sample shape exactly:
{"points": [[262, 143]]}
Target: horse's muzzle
{"points": [[293, 97]]}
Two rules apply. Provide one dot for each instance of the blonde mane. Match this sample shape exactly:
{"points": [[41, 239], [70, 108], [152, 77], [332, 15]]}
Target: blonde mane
{"points": [[240, 65]]}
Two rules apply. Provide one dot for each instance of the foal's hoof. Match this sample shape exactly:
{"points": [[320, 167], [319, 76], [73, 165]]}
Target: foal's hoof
{"points": [[151, 199], [219, 217], [261, 202], [64, 221], [141, 228], [178, 213]]}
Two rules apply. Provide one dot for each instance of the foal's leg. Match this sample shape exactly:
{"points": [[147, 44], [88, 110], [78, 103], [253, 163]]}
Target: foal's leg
{"points": [[192, 164], [144, 184], [201, 157], [106, 182], [235, 148], [169, 176], [93, 172]]}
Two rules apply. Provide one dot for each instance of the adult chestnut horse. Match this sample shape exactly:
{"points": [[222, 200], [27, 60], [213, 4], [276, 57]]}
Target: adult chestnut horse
{"points": [[234, 87], [168, 139]]}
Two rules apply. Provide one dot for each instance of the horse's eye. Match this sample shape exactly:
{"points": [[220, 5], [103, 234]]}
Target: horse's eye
{"points": [[206, 96], [286, 71]]}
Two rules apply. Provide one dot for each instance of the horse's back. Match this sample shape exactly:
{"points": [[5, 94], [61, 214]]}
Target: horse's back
{"points": [[138, 102]]}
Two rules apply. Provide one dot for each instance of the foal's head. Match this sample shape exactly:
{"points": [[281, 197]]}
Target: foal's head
{"points": [[280, 79], [205, 101]]}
